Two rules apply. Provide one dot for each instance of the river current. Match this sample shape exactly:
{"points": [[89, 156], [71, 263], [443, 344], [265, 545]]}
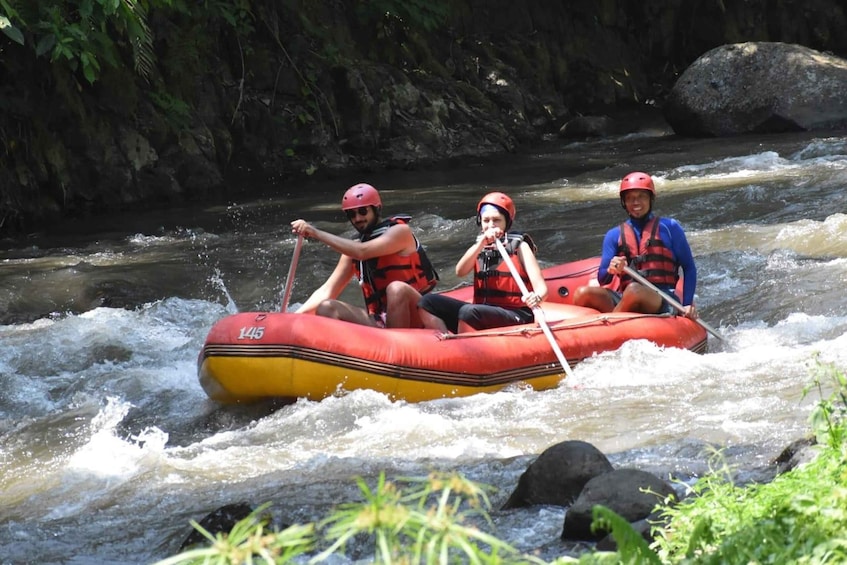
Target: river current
{"points": [[108, 445]]}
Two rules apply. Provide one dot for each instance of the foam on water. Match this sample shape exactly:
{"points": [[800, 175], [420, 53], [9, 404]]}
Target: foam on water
{"points": [[109, 446]]}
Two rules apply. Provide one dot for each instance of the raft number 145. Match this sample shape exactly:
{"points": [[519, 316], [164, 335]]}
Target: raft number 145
{"points": [[251, 332]]}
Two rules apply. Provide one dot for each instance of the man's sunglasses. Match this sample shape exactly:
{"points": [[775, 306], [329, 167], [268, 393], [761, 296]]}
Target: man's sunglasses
{"points": [[360, 211]]}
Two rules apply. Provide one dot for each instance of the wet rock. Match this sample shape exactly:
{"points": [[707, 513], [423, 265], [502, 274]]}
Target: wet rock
{"points": [[644, 528], [797, 453], [631, 493], [558, 475], [583, 127], [759, 87], [221, 520]]}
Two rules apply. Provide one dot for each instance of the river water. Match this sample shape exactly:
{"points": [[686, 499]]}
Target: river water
{"points": [[108, 445]]}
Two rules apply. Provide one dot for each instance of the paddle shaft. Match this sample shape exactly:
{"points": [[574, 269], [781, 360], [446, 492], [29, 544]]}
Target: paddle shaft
{"points": [[289, 280], [669, 299], [539, 313]]}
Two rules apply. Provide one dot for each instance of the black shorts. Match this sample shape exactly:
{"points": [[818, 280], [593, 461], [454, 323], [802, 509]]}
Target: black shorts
{"points": [[477, 316]]}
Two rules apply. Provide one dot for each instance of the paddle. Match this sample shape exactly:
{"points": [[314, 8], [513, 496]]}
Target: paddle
{"points": [[539, 313], [289, 281], [669, 299]]}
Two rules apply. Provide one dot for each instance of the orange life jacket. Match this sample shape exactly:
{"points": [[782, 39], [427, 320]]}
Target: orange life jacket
{"points": [[375, 274], [651, 257], [493, 282]]}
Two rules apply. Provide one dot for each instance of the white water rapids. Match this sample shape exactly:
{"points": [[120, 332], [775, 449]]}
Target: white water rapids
{"points": [[108, 445]]}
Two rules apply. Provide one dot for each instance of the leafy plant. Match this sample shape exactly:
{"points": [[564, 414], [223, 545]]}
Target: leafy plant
{"points": [[176, 111], [238, 14], [6, 26], [800, 516], [424, 526], [425, 15], [82, 34], [427, 524], [828, 415], [86, 34], [632, 548], [396, 25], [248, 539]]}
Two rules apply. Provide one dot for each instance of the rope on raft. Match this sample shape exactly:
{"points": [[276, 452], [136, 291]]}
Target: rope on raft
{"points": [[605, 319]]}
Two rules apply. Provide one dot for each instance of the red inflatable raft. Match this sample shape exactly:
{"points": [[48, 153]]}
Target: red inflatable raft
{"points": [[262, 355]]}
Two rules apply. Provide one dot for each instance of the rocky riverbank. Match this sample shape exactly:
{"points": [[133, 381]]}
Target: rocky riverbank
{"points": [[321, 90]]}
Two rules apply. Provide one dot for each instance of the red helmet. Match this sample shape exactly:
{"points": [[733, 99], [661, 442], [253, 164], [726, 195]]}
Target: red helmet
{"points": [[360, 195], [502, 202], [638, 181]]}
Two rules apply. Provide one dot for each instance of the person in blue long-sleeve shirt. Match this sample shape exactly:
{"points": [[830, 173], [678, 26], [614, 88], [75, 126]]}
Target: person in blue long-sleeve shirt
{"points": [[654, 246]]}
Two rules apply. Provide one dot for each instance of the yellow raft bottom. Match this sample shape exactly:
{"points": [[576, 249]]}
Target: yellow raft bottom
{"points": [[258, 378]]}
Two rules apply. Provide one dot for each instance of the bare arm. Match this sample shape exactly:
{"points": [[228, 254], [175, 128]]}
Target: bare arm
{"points": [[397, 239], [466, 263], [536, 279], [333, 286]]}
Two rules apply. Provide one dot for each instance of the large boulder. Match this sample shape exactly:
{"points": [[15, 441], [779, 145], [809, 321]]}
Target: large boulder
{"points": [[758, 88]]}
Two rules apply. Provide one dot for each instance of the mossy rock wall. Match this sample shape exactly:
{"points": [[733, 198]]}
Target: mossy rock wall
{"points": [[316, 89]]}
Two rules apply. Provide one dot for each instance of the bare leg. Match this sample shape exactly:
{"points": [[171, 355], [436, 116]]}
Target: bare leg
{"points": [[595, 297], [342, 311], [638, 298], [402, 304]]}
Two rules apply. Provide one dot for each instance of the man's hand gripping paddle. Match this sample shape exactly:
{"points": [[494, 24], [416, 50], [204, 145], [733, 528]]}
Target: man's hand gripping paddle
{"points": [[636, 276]]}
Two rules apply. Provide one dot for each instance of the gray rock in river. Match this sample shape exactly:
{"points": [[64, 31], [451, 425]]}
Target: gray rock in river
{"points": [[759, 87], [631, 493], [558, 475]]}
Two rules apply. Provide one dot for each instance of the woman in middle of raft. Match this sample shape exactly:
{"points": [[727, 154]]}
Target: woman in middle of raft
{"points": [[497, 299]]}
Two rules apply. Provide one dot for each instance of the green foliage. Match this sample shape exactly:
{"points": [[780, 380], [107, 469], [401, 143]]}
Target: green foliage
{"points": [[176, 111], [828, 415], [396, 24], [426, 523], [248, 540], [424, 15], [83, 35], [8, 13], [631, 546], [237, 14], [799, 517]]}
